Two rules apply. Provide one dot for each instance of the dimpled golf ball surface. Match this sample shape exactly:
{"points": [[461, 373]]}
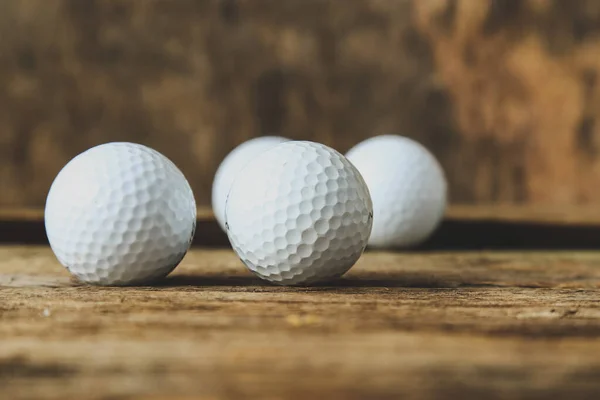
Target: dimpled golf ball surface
{"points": [[231, 165], [119, 214], [407, 186], [298, 214]]}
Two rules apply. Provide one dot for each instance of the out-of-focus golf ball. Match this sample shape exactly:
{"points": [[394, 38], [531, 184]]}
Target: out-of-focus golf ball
{"points": [[231, 165], [408, 188], [120, 214], [299, 213]]}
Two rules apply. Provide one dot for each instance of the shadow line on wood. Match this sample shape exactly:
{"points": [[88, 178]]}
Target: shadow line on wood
{"points": [[400, 280]]}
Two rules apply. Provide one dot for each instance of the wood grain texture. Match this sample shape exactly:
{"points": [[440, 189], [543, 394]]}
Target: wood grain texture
{"points": [[522, 76], [505, 93], [417, 326]]}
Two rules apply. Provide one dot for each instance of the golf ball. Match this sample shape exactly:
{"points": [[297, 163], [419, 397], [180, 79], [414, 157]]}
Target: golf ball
{"points": [[231, 165], [408, 188], [120, 214], [299, 213]]}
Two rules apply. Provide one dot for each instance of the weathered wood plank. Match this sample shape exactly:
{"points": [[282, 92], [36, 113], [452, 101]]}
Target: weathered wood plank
{"points": [[419, 325], [505, 93]]}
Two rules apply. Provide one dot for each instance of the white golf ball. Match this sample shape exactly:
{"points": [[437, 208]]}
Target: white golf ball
{"points": [[119, 214], [299, 213], [231, 165], [408, 188]]}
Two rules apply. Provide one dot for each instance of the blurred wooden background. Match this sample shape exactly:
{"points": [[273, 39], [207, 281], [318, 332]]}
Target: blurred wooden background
{"points": [[504, 92]]}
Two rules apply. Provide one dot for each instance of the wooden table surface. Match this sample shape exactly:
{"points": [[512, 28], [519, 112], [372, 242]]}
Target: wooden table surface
{"points": [[427, 324]]}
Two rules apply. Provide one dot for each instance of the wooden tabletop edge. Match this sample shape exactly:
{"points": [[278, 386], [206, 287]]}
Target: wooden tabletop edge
{"points": [[582, 215]]}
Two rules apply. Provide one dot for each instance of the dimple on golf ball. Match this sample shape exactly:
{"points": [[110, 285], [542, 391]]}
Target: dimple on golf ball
{"points": [[120, 214], [408, 188], [299, 213], [231, 165]]}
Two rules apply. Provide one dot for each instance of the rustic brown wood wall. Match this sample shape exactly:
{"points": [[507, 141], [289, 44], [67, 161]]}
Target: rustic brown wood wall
{"points": [[504, 92]]}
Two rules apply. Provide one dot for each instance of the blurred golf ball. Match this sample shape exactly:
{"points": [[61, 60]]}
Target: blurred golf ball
{"points": [[299, 213], [231, 165], [408, 188], [119, 214]]}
